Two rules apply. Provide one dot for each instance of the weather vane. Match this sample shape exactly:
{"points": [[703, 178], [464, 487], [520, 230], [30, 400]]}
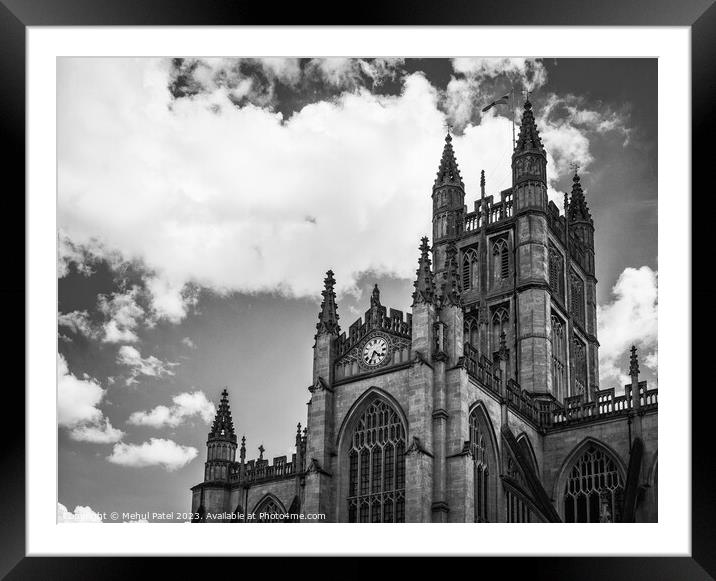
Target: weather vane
{"points": [[574, 166]]}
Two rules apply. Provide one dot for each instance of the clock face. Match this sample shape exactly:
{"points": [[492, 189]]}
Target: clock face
{"points": [[375, 351]]}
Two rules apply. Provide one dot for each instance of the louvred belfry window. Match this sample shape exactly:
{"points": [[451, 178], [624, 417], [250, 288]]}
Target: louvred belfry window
{"points": [[469, 270], [501, 260], [376, 460]]}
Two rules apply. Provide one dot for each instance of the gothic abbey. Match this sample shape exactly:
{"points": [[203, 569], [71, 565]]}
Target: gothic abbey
{"points": [[483, 404]]}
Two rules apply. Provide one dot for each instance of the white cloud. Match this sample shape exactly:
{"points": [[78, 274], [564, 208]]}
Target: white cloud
{"points": [[185, 189], [157, 452], [629, 319], [68, 254], [482, 80], [185, 406], [81, 514], [188, 342], [567, 128], [78, 322], [349, 73], [124, 316], [148, 366], [168, 299], [77, 401], [530, 72]]}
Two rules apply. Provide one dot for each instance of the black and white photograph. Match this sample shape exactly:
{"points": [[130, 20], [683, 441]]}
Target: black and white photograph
{"points": [[357, 290]]}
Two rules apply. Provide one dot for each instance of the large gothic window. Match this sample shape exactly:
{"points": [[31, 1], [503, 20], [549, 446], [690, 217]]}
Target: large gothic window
{"points": [[269, 510], [594, 488], [484, 468], [376, 466], [501, 260], [500, 324], [470, 270], [559, 359], [556, 271]]}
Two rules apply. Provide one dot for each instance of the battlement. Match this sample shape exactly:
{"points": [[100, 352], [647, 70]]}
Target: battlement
{"points": [[496, 211], [543, 410], [393, 321], [261, 470]]}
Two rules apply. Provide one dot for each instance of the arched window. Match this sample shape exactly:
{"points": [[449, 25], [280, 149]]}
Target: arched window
{"points": [[471, 332], [269, 510], [594, 488], [556, 271], [576, 289], [500, 324], [579, 367], [501, 260], [470, 275], [484, 467], [376, 466], [559, 359]]}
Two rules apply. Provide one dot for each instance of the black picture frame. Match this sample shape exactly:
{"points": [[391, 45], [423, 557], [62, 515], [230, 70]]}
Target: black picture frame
{"points": [[17, 15]]}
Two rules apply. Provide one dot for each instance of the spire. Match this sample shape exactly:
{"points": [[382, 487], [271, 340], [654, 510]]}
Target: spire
{"points": [[448, 173], [328, 317], [578, 209], [424, 285], [375, 297], [223, 426], [451, 285], [528, 138]]}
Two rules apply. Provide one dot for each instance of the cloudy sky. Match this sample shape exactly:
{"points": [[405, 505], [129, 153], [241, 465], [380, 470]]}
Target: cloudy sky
{"points": [[200, 202]]}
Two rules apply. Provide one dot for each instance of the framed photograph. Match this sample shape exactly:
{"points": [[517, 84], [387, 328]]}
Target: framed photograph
{"points": [[422, 273]]}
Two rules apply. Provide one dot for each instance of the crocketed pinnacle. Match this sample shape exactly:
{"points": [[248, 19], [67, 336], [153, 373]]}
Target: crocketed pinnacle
{"points": [[578, 209], [328, 317], [633, 362], [451, 280], [424, 285], [528, 139], [448, 172], [223, 426]]}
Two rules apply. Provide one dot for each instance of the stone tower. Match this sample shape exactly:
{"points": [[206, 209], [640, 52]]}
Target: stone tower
{"points": [[584, 312], [529, 185], [210, 496], [321, 449]]}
